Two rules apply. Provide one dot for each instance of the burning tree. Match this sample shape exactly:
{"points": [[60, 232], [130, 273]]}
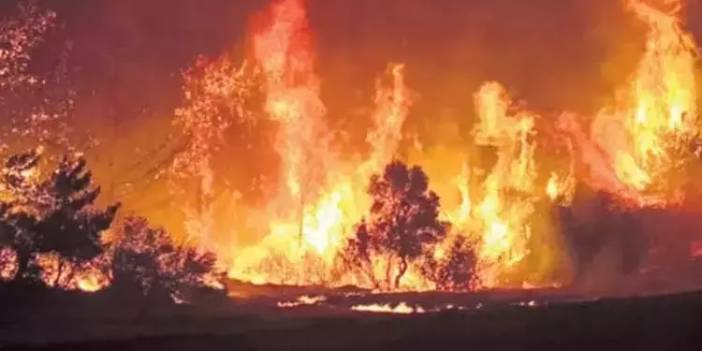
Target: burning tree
{"points": [[402, 224], [148, 260], [455, 268], [50, 216]]}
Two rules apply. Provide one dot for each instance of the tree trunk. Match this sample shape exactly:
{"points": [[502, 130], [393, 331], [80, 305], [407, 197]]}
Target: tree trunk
{"points": [[57, 280], [388, 271], [370, 273], [403, 269], [23, 259]]}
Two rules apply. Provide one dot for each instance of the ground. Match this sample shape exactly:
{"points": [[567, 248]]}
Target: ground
{"points": [[488, 321]]}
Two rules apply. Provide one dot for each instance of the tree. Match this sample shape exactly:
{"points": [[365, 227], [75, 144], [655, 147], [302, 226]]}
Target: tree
{"points": [[71, 228], [455, 270], [54, 215], [17, 211], [148, 260], [403, 222]]}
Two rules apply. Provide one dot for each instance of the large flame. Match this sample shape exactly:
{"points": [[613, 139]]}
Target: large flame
{"points": [[506, 190], [654, 120], [498, 214], [503, 221], [320, 200]]}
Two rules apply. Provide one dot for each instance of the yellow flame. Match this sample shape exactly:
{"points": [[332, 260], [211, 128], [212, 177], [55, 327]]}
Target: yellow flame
{"points": [[321, 201], [657, 113], [321, 196]]}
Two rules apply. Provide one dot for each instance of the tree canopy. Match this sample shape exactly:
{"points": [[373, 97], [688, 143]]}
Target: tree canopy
{"points": [[50, 214], [403, 221]]}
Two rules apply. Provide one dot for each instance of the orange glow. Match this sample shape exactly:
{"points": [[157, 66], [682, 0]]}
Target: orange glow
{"points": [[502, 214], [92, 282], [655, 116], [8, 264], [401, 308], [502, 186], [59, 273]]}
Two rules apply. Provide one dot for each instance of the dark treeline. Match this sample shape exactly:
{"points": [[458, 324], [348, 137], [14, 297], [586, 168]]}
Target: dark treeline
{"points": [[53, 213]]}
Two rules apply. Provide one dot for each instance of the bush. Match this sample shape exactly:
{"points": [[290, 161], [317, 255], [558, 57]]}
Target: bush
{"points": [[147, 260]]}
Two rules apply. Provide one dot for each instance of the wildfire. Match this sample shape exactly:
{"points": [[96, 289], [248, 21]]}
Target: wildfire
{"points": [[303, 300], [632, 150], [497, 214], [499, 189], [651, 127], [401, 308], [321, 200], [504, 230]]}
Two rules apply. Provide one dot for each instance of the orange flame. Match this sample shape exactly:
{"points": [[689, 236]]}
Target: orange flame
{"points": [[319, 203], [655, 118], [629, 150]]}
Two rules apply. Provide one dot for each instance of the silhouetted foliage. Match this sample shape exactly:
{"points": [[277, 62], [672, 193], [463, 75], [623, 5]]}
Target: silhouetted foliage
{"points": [[147, 260], [52, 215], [599, 230], [455, 271], [402, 223]]}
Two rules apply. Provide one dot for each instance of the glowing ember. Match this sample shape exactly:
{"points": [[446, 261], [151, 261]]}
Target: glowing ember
{"points": [[8, 264], [92, 282], [495, 207], [530, 303], [303, 300], [401, 308], [315, 211], [60, 273]]}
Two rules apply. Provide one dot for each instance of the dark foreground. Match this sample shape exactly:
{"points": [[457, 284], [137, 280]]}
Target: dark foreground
{"points": [[671, 322]]}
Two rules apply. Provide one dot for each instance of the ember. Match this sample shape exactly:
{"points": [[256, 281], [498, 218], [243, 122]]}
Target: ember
{"points": [[401, 308]]}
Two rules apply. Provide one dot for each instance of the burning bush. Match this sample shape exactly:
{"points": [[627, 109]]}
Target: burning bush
{"points": [[50, 216], [402, 224], [455, 268], [149, 261]]}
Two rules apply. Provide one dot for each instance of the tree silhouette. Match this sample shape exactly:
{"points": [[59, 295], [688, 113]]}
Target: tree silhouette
{"points": [[147, 260], [455, 271], [402, 223], [54, 215]]}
